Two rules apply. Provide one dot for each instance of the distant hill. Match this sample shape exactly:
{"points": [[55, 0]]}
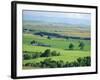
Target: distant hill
{"points": [[59, 28]]}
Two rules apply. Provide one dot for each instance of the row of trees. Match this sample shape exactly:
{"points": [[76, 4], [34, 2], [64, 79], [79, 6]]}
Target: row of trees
{"points": [[49, 63], [42, 34], [46, 53], [71, 45], [81, 46]]}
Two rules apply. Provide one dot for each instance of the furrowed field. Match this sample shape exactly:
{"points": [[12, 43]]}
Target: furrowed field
{"points": [[54, 46]]}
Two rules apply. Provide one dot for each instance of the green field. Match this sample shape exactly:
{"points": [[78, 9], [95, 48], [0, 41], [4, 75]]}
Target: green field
{"points": [[59, 45], [54, 42]]}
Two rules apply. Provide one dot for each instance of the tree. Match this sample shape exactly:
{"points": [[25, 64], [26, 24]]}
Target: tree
{"points": [[46, 53], [41, 35], [71, 46], [49, 37], [54, 53], [33, 41], [81, 45], [30, 30], [67, 37], [26, 56]]}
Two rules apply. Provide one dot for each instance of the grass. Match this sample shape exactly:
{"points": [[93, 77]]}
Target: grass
{"points": [[68, 56], [57, 44]]}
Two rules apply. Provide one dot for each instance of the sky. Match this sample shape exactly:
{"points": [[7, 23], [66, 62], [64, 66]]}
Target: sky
{"points": [[57, 17]]}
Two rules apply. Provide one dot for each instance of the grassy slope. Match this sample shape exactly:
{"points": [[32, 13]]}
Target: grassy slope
{"points": [[57, 45], [66, 55]]}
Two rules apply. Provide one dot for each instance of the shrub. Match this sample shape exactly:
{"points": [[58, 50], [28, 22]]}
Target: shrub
{"points": [[33, 42], [49, 63], [60, 63], [86, 61], [49, 37], [46, 53], [67, 64], [26, 56], [81, 45], [54, 53], [36, 55], [27, 64], [32, 55], [71, 46]]}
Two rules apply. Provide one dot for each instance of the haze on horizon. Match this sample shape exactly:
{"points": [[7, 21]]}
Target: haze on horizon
{"points": [[57, 17]]}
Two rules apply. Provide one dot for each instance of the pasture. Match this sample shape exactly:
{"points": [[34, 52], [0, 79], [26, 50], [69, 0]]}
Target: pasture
{"points": [[59, 45]]}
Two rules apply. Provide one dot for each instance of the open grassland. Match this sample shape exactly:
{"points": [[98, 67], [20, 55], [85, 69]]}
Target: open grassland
{"points": [[59, 45], [66, 55], [54, 42]]}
